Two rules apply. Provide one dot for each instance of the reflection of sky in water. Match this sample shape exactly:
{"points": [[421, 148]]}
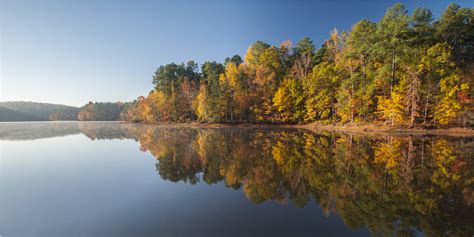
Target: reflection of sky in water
{"points": [[71, 185]]}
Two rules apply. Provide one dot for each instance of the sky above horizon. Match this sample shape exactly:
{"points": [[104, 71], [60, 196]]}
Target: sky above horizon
{"points": [[73, 52]]}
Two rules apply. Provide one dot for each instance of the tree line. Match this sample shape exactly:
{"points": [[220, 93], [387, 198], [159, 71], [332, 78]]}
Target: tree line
{"points": [[33, 111], [101, 111], [406, 69]]}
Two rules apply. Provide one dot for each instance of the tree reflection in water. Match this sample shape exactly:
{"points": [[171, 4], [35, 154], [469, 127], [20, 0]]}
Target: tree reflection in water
{"points": [[393, 185]]}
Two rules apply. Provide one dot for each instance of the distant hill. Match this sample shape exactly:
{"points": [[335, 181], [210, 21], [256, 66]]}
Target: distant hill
{"points": [[7, 115], [32, 111]]}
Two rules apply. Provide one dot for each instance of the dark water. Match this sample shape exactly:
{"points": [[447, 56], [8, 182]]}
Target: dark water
{"points": [[110, 179]]}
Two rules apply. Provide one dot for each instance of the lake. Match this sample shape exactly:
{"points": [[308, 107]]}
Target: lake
{"points": [[113, 179]]}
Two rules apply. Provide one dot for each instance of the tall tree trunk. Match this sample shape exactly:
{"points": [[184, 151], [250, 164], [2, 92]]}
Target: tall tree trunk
{"points": [[412, 93], [352, 94], [352, 101], [392, 79], [426, 109]]}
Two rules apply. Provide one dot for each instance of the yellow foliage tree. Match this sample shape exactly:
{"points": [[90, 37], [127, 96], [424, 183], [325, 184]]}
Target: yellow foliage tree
{"points": [[391, 109], [200, 104], [449, 106], [157, 104]]}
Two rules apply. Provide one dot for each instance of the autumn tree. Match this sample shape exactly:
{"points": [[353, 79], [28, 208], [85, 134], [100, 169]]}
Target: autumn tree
{"points": [[209, 104], [268, 74], [289, 101], [356, 94], [320, 88]]}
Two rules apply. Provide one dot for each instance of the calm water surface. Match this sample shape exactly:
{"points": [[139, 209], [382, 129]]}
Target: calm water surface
{"points": [[111, 179]]}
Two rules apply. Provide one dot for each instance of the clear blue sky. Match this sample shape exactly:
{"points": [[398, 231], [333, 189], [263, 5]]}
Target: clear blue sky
{"points": [[72, 52]]}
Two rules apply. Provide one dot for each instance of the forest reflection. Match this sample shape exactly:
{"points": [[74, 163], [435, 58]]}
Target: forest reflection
{"points": [[392, 185]]}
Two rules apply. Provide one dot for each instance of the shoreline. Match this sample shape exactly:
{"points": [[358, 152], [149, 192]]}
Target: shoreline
{"points": [[362, 129]]}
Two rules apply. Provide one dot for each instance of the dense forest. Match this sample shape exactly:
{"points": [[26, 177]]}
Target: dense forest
{"points": [[101, 111], [406, 69]]}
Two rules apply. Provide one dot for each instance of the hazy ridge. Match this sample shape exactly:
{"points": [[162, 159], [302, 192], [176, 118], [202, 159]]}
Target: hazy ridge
{"points": [[33, 111], [12, 111]]}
